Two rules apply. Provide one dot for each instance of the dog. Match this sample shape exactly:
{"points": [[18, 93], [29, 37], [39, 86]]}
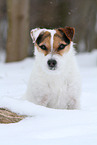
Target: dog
{"points": [[55, 79]]}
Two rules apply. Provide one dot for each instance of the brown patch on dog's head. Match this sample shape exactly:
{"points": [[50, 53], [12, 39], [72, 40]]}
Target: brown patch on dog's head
{"points": [[62, 40], [43, 42]]}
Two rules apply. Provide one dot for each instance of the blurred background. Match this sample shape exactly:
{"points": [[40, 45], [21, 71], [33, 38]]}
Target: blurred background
{"points": [[18, 17]]}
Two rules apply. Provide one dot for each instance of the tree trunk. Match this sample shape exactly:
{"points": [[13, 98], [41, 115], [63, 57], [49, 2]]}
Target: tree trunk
{"points": [[83, 18], [18, 29]]}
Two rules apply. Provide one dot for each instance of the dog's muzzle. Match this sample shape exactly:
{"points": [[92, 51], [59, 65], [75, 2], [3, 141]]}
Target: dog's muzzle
{"points": [[52, 63]]}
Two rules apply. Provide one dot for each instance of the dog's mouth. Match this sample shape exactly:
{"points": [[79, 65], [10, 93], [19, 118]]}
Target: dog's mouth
{"points": [[52, 64], [54, 68]]}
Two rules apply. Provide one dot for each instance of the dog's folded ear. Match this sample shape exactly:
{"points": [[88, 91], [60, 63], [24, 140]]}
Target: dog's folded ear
{"points": [[34, 34], [69, 32]]}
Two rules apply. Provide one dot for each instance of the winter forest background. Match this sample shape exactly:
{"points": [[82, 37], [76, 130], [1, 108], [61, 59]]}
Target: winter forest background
{"points": [[42, 125], [18, 17]]}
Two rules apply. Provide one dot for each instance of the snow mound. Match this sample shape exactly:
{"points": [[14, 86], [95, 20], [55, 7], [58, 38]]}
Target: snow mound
{"points": [[88, 59], [46, 126]]}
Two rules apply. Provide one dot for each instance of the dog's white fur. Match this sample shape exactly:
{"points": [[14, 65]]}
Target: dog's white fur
{"points": [[55, 89]]}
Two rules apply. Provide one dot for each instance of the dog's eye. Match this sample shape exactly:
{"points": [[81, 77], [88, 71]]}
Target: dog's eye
{"points": [[62, 46], [43, 47]]}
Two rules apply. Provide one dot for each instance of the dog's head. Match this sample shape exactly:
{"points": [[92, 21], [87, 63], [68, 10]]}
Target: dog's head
{"points": [[52, 46]]}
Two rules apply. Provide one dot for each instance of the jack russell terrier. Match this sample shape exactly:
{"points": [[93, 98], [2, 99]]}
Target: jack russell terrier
{"points": [[55, 79]]}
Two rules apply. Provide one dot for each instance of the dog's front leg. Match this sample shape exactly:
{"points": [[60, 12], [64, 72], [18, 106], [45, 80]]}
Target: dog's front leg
{"points": [[43, 101]]}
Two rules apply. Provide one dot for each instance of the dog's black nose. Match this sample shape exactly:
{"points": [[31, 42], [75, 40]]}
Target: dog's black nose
{"points": [[52, 63]]}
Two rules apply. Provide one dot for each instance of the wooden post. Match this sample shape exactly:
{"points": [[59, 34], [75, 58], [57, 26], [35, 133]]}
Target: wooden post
{"points": [[18, 29]]}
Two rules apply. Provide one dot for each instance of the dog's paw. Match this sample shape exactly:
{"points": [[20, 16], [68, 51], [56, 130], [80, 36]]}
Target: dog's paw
{"points": [[73, 104]]}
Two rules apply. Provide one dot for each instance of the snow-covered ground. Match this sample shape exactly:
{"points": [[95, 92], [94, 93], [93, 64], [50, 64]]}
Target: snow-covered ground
{"points": [[46, 126]]}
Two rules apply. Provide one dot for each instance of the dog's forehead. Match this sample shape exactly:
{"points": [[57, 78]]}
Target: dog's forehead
{"points": [[67, 33], [52, 32], [55, 33], [40, 34], [48, 32], [44, 33]]}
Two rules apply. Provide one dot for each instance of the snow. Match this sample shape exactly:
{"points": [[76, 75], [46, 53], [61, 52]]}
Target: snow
{"points": [[46, 126]]}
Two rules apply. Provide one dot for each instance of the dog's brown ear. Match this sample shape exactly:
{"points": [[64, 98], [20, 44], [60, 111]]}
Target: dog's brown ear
{"points": [[69, 32]]}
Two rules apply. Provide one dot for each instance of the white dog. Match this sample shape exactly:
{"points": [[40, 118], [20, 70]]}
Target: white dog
{"points": [[55, 79]]}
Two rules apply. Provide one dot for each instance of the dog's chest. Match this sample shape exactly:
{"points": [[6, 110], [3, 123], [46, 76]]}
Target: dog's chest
{"points": [[57, 92], [55, 88]]}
